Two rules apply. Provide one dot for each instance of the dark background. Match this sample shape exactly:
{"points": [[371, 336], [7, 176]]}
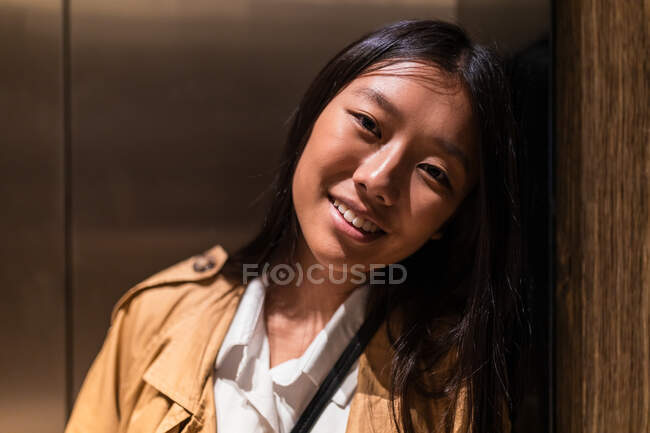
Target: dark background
{"points": [[134, 134]]}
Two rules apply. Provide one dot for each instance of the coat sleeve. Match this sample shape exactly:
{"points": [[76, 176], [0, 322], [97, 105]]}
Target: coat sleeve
{"points": [[97, 407]]}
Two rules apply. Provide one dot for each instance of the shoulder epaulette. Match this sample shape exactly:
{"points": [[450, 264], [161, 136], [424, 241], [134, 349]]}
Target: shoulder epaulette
{"points": [[195, 268]]}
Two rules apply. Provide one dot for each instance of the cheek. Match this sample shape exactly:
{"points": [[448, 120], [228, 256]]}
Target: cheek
{"points": [[309, 183], [333, 140], [324, 162], [427, 215], [302, 183]]}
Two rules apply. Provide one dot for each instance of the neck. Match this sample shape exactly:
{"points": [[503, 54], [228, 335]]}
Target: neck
{"points": [[295, 314], [316, 297]]}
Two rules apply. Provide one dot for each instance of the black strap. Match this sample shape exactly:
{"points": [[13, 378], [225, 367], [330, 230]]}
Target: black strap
{"points": [[339, 371]]}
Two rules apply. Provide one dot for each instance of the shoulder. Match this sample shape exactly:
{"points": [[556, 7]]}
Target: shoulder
{"points": [[165, 297], [148, 331]]}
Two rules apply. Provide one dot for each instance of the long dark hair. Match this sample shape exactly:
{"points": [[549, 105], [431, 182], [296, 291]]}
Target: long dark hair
{"points": [[461, 294]]}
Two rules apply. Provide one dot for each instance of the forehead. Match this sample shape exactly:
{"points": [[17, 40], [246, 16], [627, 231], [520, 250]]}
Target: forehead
{"points": [[420, 89], [427, 74], [418, 95]]}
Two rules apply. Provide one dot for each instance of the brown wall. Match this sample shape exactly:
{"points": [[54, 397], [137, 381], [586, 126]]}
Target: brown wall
{"points": [[32, 249]]}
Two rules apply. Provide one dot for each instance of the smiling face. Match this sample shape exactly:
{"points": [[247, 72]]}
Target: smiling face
{"points": [[394, 153]]}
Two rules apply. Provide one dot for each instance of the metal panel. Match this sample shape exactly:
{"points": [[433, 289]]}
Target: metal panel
{"points": [[178, 115], [32, 333], [178, 111]]}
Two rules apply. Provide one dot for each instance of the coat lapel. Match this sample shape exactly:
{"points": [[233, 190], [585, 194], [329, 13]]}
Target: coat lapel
{"points": [[176, 415], [183, 369]]}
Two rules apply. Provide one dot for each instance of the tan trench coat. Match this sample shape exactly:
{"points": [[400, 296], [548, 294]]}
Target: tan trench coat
{"points": [[154, 370]]}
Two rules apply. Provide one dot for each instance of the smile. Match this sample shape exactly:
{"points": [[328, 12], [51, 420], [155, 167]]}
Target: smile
{"points": [[351, 224], [355, 220]]}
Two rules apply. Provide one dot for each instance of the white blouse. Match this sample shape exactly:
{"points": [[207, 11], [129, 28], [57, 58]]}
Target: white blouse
{"points": [[250, 397]]}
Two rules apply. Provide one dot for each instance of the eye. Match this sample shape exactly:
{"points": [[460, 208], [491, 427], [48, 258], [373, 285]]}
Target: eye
{"points": [[368, 123], [437, 174]]}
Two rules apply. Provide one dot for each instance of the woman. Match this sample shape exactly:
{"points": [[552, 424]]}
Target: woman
{"points": [[400, 153]]}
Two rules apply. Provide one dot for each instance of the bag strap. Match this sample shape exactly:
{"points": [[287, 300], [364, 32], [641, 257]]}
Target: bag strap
{"points": [[339, 371]]}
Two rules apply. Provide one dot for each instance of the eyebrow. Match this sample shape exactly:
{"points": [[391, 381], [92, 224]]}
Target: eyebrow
{"points": [[382, 101], [378, 98], [455, 151]]}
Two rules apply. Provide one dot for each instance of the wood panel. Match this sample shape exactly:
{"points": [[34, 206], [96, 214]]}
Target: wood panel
{"points": [[603, 243]]}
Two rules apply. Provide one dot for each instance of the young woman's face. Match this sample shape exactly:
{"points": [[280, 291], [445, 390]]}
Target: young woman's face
{"points": [[397, 147]]}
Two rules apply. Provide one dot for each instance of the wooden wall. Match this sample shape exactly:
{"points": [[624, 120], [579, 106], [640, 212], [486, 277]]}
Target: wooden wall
{"points": [[602, 195]]}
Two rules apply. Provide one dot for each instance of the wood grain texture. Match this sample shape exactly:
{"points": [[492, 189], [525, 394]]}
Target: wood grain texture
{"points": [[602, 199]]}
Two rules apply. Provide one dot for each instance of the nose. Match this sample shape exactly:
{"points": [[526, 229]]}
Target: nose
{"points": [[378, 175]]}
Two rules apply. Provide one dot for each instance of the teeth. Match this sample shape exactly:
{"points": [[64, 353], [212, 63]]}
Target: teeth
{"points": [[355, 220]]}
